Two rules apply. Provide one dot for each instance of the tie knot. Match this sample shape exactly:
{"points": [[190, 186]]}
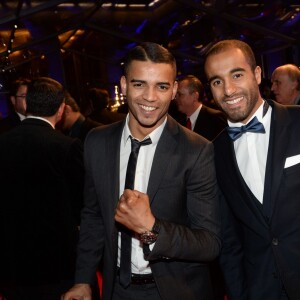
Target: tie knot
{"points": [[135, 144], [253, 126]]}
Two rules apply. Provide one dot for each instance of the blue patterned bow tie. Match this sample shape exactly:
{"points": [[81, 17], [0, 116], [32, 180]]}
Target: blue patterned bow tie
{"points": [[253, 126]]}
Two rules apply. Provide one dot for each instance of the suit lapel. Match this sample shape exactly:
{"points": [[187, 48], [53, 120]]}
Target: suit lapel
{"points": [[165, 146], [280, 124], [112, 183]]}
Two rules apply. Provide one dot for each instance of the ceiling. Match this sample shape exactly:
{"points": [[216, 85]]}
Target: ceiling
{"points": [[103, 31]]}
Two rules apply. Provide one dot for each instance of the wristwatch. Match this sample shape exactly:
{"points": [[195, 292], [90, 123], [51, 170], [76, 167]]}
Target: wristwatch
{"points": [[149, 237]]}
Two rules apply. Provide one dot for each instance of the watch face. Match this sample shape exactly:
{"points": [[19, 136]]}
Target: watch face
{"points": [[148, 237]]}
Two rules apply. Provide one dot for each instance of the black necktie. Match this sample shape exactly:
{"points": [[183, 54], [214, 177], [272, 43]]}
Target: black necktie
{"points": [[253, 126], [125, 262]]}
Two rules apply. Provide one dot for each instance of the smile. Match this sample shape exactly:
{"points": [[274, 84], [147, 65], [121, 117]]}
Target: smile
{"points": [[147, 108], [234, 101]]}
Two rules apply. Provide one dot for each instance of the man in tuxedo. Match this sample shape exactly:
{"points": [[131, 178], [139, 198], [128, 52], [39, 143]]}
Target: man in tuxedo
{"points": [[200, 118], [41, 183], [286, 84], [170, 213], [257, 163], [18, 91]]}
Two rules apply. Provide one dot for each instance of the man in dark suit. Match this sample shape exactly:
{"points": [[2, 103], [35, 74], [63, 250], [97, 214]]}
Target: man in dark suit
{"points": [[98, 100], [172, 212], [286, 84], [203, 120], [17, 97], [73, 123], [41, 183], [258, 169]]}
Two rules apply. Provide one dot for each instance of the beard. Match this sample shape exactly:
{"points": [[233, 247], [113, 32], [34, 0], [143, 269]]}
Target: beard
{"points": [[242, 113]]}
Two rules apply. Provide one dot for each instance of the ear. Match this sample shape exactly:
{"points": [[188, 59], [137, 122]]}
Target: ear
{"points": [[60, 111], [68, 109], [196, 96], [13, 100], [123, 84], [175, 87], [294, 85], [257, 73]]}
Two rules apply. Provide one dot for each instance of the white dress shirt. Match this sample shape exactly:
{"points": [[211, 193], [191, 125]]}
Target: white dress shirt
{"points": [[41, 118], [144, 163], [251, 151], [193, 117]]}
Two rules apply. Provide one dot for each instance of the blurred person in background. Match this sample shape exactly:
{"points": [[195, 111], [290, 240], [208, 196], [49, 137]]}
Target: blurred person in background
{"points": [[17, 97], [286, 84]]}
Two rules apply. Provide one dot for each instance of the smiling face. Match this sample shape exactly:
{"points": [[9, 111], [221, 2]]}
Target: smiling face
{"points": [[149, 88], [234, 84]]}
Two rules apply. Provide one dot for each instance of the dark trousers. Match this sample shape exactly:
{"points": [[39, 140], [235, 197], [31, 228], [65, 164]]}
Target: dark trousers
{"points": [[135, 292]]}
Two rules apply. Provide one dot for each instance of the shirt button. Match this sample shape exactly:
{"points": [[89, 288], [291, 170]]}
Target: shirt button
{"points": [[275, 242]]}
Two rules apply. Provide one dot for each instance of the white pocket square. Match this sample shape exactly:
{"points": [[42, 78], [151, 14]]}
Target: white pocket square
{"points": [[291, 161]]}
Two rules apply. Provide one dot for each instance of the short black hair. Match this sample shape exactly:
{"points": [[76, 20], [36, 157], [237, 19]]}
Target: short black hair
{"points": [[225, 45], [15, 85], [149, 52], [44, 97]]}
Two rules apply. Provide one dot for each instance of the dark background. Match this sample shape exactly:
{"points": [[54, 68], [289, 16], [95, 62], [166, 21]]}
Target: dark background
{"points": [[82, 43]]}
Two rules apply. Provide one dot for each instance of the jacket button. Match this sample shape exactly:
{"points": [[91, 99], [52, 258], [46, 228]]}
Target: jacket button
{"points": [[275, 242]]}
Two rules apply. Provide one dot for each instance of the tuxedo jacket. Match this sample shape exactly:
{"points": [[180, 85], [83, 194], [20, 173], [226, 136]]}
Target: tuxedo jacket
{"points": [[183, 195], [210, 122], [261, 242], [81, 128], [41, 184], [9, 122]]}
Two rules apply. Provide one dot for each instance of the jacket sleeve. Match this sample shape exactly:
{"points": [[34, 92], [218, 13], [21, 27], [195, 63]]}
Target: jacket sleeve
{"points": [[197, 239]]}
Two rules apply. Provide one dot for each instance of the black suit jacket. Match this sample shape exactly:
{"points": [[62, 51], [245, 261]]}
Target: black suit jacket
{"points": [[41, 184], [261, 243], [183, 194], [81, 128], [9, 122], [210, 122]]}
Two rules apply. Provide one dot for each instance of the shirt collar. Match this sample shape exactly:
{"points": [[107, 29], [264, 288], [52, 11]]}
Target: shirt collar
{"points": [[154, 135], [193, 117], [40, 118]]}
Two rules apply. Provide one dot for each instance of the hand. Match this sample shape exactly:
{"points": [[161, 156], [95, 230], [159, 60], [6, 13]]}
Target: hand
{"points": [[134, 212], [81, 291]]}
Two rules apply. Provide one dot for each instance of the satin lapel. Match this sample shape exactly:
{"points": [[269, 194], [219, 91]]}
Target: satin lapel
{"points": [[165, 147], [280, 124], [231, 169], [111, 172]]}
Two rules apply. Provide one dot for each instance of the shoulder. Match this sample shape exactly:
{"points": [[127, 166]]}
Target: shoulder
{"points": [[184, 137], [99, 134], [213, 112]]}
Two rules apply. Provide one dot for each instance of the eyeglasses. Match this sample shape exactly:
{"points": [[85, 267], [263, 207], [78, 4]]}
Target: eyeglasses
{"points": [[20, 96]]}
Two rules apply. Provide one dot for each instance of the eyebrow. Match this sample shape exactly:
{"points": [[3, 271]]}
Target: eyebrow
{"points": [[231, 72], [143, 81]]}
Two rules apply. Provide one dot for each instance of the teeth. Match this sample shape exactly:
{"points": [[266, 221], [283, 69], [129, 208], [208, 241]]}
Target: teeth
{"points": [[148, 108], [235, 100]]}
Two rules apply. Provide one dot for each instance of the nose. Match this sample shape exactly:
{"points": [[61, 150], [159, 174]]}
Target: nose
{"points": [[273, 87], [229, 88], [150, 94]]}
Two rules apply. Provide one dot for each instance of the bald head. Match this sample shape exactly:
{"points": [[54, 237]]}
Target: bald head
{"points": [[286, 83]]}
